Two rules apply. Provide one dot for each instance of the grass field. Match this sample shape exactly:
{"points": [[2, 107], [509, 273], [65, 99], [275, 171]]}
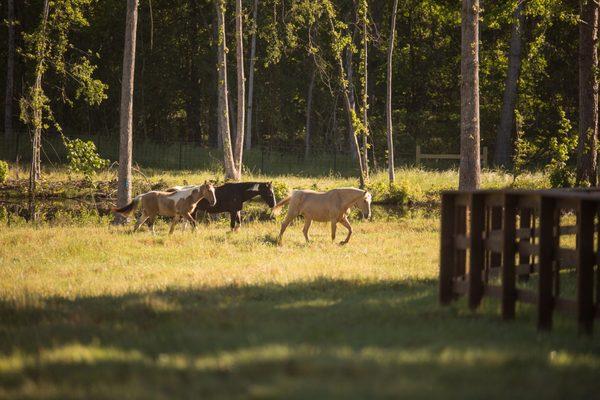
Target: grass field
{"points": [[93, 311]]}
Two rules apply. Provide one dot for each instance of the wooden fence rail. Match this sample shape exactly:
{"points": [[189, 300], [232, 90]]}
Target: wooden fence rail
{"points": [[513, 234], [419, 156]]}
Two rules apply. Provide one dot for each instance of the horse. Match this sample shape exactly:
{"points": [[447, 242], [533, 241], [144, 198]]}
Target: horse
{"points": [[231, 197], [324, 207], [169, 204]]}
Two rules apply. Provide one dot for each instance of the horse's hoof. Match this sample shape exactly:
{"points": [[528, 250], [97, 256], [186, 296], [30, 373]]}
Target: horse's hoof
{"points": [[343, 242]]}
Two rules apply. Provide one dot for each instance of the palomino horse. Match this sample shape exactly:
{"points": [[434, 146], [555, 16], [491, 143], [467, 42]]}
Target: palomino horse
{"points": [[231, 198], [169, 204], [323, 207]]}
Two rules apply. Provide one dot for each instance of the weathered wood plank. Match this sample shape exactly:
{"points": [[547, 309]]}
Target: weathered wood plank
{"points": [[585, 266], [509, 222], [546, 260], [476, 250], [447, 250]]}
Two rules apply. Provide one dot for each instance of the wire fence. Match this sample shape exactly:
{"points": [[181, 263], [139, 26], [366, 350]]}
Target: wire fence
{"points": [[264, 159]]}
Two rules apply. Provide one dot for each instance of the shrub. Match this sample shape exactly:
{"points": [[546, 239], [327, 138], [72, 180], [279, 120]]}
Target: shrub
{"points": [[281, 190], [389, 193], [83, 157], [3, 171]]}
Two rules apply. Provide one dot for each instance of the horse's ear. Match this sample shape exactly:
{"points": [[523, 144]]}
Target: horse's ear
{"points": [[255, 187]]}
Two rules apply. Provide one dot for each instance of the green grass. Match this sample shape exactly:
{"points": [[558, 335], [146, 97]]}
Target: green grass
{"points": [[93, 311]]}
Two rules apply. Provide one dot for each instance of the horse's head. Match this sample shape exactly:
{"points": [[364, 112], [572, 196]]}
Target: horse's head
{"points": [[365, 205], [265, 190], [207, 191]]}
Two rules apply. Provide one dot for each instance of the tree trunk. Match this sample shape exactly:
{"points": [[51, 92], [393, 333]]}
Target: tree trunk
{"points": [[502, 151], [223, 106], [352, 142], [10, 72], [126, 112], [309, 100], [390, 137], [365, 100], [588, 93], [241, 86], [470, 168], [249, 110]]}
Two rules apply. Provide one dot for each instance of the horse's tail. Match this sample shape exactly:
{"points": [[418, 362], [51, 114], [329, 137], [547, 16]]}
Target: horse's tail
{"points": [[129, 208], [277, 208]]}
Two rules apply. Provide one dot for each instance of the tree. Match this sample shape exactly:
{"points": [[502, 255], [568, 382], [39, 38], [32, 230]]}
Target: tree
{"points": [[339, 43], [47, 47], [588, 93], [241, 95], [309, 101], [388, 109], [126, 113], [10, 71], [502, 151], [470, 168], [249, 110], [223, 95], [364, 19]]}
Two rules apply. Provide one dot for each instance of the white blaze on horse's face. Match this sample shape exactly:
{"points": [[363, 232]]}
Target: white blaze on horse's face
{"points": [[365, 205], [213, 200]]}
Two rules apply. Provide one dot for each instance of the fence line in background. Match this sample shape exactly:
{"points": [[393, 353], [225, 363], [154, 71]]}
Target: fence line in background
{"points": [[419, 156]]}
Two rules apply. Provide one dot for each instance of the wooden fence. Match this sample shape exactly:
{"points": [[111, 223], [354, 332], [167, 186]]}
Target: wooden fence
{"points": [[419, 156], [506, 234]]}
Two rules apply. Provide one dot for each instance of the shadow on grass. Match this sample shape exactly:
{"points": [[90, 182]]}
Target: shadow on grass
{"points": [[318, 339]]}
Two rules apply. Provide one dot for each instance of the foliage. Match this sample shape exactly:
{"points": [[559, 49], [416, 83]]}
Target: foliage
{"points": [[281, 190], [561, 147], [3, 171], [83, 157], [389, 193]]}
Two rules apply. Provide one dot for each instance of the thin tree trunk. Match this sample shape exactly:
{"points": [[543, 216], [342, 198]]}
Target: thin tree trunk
{"points": [[35, 170], [588, 93], [365, 100], [249, 110], [390, 137], [470, 168], [223, 106], [126, 112], [309, 100], [351, 99], [10, 72], [502, 151], [241, 87]]}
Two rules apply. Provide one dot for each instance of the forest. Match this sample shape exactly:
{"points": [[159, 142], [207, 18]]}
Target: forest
{"points": [[299, 58]]}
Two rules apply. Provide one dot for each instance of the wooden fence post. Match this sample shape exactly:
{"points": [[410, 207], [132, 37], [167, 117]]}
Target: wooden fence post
{"points": [[547, 257], [585, 266], [496, 225], [447, 253], [477, 252], [509, 297], [461, 229]]}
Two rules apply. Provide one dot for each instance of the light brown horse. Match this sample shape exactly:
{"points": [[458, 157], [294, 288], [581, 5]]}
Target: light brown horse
{"points": [[169, 204], [323, 207]]}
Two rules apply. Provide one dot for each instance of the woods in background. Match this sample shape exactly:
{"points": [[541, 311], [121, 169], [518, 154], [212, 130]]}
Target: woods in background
{"points": [[331, 74]]}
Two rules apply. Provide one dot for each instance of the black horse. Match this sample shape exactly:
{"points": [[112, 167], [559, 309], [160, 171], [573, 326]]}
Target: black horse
{"points": [[231, 197]]}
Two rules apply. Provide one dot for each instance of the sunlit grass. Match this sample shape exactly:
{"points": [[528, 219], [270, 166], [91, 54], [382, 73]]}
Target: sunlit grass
{"points": [[93, 310]]}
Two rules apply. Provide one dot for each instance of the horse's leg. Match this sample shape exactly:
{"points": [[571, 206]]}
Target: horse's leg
{"points": [[232, 220], [141, 219], [333, 229], [306, 228], [173, 223], [151, 221], [346, 223], [189, 217], [288, 219], [238, 219]]}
